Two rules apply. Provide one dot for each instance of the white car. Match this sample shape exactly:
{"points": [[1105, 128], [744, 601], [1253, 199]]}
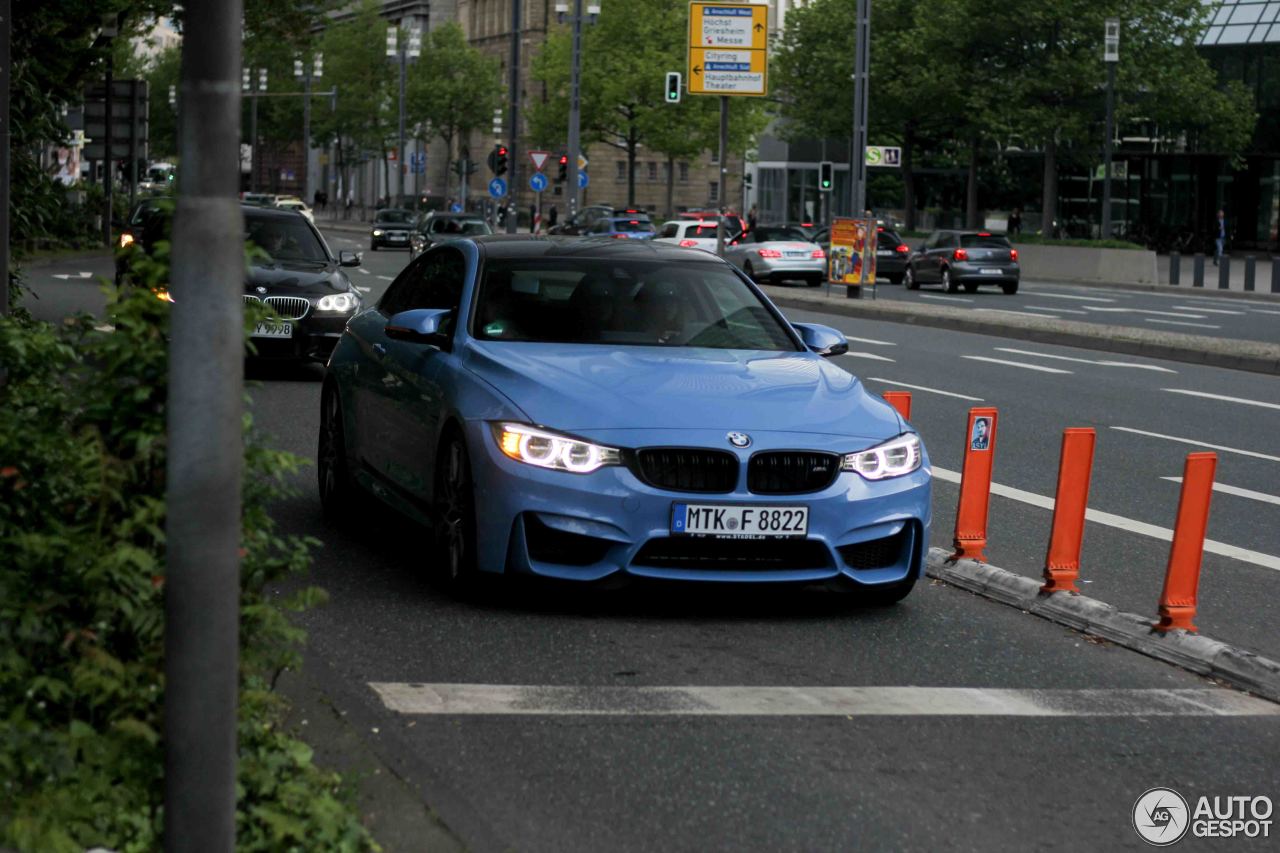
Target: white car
{"points": [[774, 253], [296, 204], [690, 233]]}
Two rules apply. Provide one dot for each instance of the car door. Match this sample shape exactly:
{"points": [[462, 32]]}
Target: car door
{"points": [[927, 268], [412, 397]]}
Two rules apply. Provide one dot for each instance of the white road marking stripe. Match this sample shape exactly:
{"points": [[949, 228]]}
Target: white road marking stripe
{"points": [[1084, 360], [1019, 313], [896, 384], [383, 277], [697, 701], [1255, 454], [359, 288], [871, 341], [1179, 323], [363, 270], [1237, 491], [1182, 315], [869, 355], [1129, 525], [1222, 397], [1208, 310], [944, 298], [1055, 310], [1265, 311], [1038, 367], [1040, 293]]}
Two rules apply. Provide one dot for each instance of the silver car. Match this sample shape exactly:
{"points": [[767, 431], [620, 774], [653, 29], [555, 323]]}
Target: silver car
{"points": [[774, 253]]}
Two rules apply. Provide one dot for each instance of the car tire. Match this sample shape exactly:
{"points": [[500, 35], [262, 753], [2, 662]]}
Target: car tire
{"points": [[948, 286], [895, 278], [1009, 288], [373, 247], [338, 491], [909, 280], [455, 515], [970, 287], [887, 594], [749, 270]]}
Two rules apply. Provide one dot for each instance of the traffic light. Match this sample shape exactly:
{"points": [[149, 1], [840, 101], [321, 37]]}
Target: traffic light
{"points": [[498, 160], [825, 179], [564, 169], [673, 87]]}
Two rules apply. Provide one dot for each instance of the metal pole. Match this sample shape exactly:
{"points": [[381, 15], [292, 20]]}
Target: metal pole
{"points": [[5, 73], [106, 152], [575, 106], [400, 151], [724, 171], [1106, 152], [858, 165], [253, 135], [206, 452], [513, 146], [306, 135], [133, 142]]}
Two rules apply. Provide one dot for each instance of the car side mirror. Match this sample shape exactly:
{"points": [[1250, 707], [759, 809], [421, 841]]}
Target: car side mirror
{"points": [[348, 258], [823, 340], [420, 326]]}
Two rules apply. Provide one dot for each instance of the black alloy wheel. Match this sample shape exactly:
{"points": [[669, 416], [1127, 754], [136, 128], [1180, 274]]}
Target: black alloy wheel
{"points": [[948, 286], [455, 515], [909, 279]]}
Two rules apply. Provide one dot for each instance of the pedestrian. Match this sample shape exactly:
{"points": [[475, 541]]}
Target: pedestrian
{"points": [[350, 201], [752, 216], [551, 217], [1015, 222], [1220, 238], [316, 199]]}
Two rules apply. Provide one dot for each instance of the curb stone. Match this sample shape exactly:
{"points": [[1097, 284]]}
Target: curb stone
{"points": [[1236, 666]]}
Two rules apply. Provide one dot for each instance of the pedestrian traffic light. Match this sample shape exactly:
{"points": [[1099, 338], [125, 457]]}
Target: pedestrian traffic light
{"points": [[498, 160], [564, 169], [673, 87], [825, 170]]}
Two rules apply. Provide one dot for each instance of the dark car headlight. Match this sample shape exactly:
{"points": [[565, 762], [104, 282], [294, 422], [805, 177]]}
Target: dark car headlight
{"points": [[552, 450], [894, 458], [338, 303]]}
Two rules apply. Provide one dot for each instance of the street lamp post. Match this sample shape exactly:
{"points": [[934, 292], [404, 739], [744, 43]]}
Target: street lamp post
{"points": [[305, 74], [1111, 56], [576, 20], [246, 86], [858, 144], [410, 49]]}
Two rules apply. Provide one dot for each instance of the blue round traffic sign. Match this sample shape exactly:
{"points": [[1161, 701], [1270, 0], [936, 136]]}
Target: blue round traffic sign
{"points": [[537, 182], [497, 188], [583, 180]]}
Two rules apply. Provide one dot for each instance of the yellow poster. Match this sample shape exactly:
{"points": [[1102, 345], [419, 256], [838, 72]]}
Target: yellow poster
{"points": [[853, 252]]}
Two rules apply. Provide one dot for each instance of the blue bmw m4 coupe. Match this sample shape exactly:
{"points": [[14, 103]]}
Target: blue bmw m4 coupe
{"points": [[585, 409]]}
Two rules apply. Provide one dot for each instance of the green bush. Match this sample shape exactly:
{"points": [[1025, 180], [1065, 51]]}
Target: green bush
{"points": [[1040, 240], [82, 474]]}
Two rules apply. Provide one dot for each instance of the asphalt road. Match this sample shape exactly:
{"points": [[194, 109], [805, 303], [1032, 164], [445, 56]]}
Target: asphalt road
{"points": [[1183, 309], [538, 773]]}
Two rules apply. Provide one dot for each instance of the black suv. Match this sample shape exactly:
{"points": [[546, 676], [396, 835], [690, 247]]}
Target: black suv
{"points": [[969, 258]]}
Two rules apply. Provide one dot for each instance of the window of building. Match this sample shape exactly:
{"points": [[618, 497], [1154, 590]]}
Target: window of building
{"points": [[684, 173], [653, 170], [621, 174], [713, 191]]}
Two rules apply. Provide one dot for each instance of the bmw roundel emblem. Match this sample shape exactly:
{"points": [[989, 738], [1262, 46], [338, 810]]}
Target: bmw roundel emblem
{"points": [[739, 439], [262, 290]]}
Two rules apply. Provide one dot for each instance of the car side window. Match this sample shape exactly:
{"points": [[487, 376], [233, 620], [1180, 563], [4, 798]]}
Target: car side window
{"points": [[395, 299], [670, 230]]}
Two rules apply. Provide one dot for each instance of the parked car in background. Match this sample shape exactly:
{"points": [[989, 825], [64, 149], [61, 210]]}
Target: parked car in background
{"points": [[391, 227], [952, 259], [689, 233], [776, 253], [292, 202], [258, 199], [439, 226], [583, 220], [735, 223], [628, 226], [587, 409]]}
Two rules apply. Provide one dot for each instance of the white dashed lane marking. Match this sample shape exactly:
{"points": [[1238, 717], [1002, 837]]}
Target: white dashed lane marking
{"points": [[743, 701], [1084, 360], [1196, 443], [1241, 400], [1040, 293], [944, 298], [869, 356], [1180, 323], [897, 384], [1038, 367], [1237, 491]]}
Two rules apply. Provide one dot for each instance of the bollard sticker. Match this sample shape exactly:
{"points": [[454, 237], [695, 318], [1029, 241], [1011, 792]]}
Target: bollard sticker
{"points": [[981, 437]]}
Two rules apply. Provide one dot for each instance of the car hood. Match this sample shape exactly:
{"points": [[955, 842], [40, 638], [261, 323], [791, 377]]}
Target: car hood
{"points": [[296, 279], [577, 387]]}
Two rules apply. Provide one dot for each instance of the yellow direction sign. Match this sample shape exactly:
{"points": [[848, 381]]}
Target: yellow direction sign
{"points": [[728, 49]]}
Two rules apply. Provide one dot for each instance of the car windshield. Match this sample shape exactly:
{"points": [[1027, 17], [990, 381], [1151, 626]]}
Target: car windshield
{"points": [[632, 225], [704, 231], [283, 238], [624, 303], [983, 241], [394, 217], [767, 233]]}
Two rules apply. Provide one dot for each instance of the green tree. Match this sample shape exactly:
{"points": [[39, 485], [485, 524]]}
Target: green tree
{"points": [[162, 119], [453, 88]]}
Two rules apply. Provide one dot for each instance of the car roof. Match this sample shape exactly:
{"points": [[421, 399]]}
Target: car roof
{"points": [[537, 246], [441, 214], [269, 212]]}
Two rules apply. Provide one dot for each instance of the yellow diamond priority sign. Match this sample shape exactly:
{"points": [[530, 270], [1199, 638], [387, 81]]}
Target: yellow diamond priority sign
{"points": [[728, 49]]}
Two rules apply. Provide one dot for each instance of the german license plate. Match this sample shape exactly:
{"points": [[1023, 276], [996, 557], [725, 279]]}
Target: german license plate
{"points": [[273, 330], [399, 238], [989, 271], [739, 522], [795, 254]]}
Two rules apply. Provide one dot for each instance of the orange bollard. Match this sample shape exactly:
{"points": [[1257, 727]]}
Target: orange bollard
{"points": [[1062, 563], [975, 484], [1182, 577], [900, 400]]}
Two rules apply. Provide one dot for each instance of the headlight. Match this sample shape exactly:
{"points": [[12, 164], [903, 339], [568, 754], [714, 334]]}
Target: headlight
{"points": [[894, 458], [377, 232], [549, 450], [338, 303]]}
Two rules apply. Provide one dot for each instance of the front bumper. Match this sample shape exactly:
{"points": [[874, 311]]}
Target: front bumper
{"points": [[314, 338], [397, 239], [611, 524]]}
